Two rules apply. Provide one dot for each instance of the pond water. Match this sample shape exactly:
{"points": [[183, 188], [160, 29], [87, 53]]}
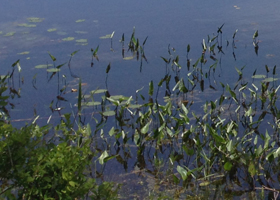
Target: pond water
{"points": [[177, 24], [30, 30]]}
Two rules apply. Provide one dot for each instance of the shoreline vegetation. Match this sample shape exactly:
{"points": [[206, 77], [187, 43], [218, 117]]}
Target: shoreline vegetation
{"points": [[170, 143]]}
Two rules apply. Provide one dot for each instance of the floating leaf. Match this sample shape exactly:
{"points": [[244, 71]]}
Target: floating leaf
{"points": [[81, 32], [82, 40], [128, 58], [10, 34], [108, 113], [68, 39], [270, 79], [43, 66], [27, 25], [61, 33], [53, 70], [98, 91], [35, 19], [51, 29], [91, 103], [24, 53], [80, 20], [259, 76]]}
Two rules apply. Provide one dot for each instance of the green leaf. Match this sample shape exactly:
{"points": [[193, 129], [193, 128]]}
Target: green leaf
{"points": [[72, 54], [80, 20], [53, 70], [43, 66], [52, 57], [51, 29], [182, 172], [151, 88], [82, 40], [112, 131], [252, 169], [256, 34], [72, 183], [259, 76], [108, 113], [145, 129], [227, 166], [68, 39], [102, 157]]}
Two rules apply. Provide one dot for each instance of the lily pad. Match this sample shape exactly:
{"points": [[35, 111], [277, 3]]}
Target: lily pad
{"points": [[27, 25], [92, 103], [1, 32], [51, 29], [81, 32], [24, 53], [108, 113], [82, 40], [35, 19], [28, 58], [43, 66], [128, 58], [259, 76], [105, 36], [10, 34], [98, 91], [82, 44], [68, 39], [53, 70], [61, 33], [80, 20]]}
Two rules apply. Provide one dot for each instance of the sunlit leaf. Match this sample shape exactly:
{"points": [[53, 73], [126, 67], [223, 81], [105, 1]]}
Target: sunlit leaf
{"points": [[182, 172], [145, 128], [43, 66], [53, 70], [82, 40], [27, 25], [109, 113], [252, 169], [35, 19], [10, 34], [68, 39], [91, 103], [128, 58], [81, 32], [80, 20], [51, 29], [227, 166], [102, 157], [24, 53]]}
